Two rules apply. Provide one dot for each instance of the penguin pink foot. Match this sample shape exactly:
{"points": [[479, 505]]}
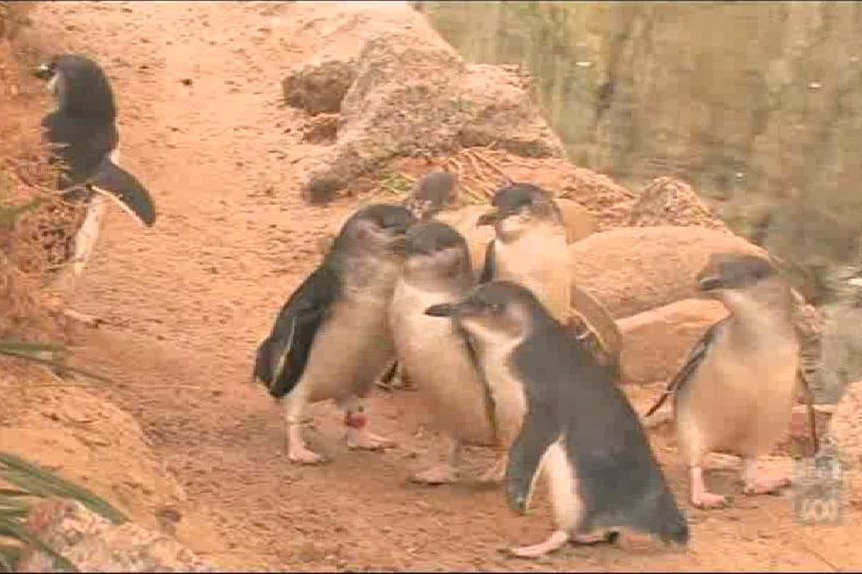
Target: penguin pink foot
{"points": [[700, 496], [554, 542], [440, 474], [360, 438], [297, 451], [759, 483]]}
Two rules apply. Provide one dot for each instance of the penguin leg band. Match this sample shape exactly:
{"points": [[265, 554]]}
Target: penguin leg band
{"points": [[355, 420]]}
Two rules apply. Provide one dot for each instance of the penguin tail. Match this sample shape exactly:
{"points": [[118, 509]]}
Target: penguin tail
{"points": [[124, 188], [673, 527]]}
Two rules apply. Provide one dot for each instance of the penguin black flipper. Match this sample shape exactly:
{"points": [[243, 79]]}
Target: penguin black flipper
{"points": [[81, 144], [281, 358], [537, 434], [488, 269], [115, 182], [694, 359]]}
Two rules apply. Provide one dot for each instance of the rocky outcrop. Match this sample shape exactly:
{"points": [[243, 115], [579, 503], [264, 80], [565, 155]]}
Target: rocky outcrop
{"points": [[408, 93], [668, 201], [656, 342], [92, 543]]}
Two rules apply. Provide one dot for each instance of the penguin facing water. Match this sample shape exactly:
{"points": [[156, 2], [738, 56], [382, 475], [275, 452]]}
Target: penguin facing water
{"points": [[439, 359], [579, 428], [332, 339], [735, 391]]}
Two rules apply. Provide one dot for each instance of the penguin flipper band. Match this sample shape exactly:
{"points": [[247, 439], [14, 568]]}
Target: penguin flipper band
{"points": [[695, 357], [123, 187]]}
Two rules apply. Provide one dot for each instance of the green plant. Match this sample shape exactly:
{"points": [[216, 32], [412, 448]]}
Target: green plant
{"points": [[29, 482]]}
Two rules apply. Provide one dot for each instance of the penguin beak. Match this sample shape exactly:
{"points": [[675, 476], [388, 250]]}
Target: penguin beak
{"points": [[489, 218], [44, 72], [441, 310], [709, 283]]}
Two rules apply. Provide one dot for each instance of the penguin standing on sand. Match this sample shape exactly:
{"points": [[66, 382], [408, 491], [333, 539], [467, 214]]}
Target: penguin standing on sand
{"points": [[530, 248], [332, 339], [428, 197], [735, 391], [83, 131], [579, 428], [440, 360]]}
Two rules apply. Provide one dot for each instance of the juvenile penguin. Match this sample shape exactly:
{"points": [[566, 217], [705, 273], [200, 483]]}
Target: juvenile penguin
{"points": [[530, 248], [439, 359], [736, 389], [332, 339], [579, 428], [83, 131], [431, 194]]}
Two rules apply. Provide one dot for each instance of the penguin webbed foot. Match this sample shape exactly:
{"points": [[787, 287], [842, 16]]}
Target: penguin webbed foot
{"points": [[363, 439], [82, 318], [757, 484], [297, 451], [609, 537], [555, 541], [436, 475], [709, 500]]}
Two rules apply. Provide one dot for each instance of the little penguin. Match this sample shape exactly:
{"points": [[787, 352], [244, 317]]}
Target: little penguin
{"points": [[83, 131], [439, 359], [579, 429], [332, 339], [431, 194], [736, 390], [530, 247]]}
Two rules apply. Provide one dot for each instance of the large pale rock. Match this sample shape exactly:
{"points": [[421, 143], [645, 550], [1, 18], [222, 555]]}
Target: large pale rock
{"points": [[634, 269], [413, 95], [656, 342], [94, 544]]}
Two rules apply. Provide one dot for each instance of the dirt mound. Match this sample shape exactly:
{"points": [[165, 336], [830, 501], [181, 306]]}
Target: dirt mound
{"points": [[668, 201], [408, 93]]}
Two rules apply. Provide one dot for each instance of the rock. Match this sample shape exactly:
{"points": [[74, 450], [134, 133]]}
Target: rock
{"points": [[321, 129], [578, 219], [656, 342], [635, 269], [414, 95], [668, 201], [845, 432], [319, 86], [841, 350], [94, 544]]}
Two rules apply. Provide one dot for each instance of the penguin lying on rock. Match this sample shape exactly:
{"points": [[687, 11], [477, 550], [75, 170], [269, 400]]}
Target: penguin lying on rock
{"points": [[331, 339], [84, 133], [579, 428], [735, 391]]}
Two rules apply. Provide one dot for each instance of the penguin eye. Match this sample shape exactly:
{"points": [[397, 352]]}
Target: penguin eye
{"points": [[495, 308]]}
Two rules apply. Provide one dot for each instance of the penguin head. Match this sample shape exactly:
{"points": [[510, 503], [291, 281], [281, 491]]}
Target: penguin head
{"points": [[377, 228], [518, 207], [437, 251], [431, 194], [79, 85], [494, 312]]}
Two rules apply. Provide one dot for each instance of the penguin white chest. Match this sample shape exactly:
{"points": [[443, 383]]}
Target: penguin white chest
{"points": [[507, 392], [350, 352], [438, 363]]}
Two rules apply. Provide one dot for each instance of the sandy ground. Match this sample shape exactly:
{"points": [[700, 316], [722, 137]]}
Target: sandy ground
{"points": [[201, 121]]}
